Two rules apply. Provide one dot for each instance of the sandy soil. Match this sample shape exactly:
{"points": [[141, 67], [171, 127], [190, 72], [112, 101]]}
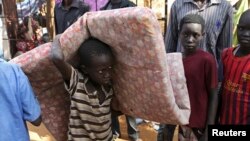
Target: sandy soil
{"points": [[147, 133]]}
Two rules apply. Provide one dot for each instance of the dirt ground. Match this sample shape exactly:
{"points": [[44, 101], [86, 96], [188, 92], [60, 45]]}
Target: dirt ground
{"points": [[147, 133]]}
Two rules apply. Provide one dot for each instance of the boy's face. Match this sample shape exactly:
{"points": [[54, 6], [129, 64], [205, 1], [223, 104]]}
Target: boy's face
{"points": [[101, 69], [243, 30], [190, 35]]}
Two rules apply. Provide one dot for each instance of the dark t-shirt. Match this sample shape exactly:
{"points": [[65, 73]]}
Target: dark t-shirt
{"points": [[122, 4], [201, 75], [116, 5], [66, 17]]}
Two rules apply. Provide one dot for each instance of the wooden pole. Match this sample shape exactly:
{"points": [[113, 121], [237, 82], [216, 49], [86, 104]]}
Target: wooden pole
{"points": [[50, 18], [11, 20], [147, 3]]}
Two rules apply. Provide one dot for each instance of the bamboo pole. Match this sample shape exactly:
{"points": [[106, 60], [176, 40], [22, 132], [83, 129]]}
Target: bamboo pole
{"points": [[50, 18], [147, 3]]}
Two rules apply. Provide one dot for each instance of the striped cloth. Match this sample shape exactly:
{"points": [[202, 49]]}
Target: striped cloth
{"points": [[89, 120], [218, 29]]}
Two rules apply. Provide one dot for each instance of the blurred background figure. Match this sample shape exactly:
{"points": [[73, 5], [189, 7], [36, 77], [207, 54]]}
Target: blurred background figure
{"points": [[67, 12]]}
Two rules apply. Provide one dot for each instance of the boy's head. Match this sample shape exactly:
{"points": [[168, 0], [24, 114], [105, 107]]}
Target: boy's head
{"points": [[96, 60], [191, 31], [243, 29]]}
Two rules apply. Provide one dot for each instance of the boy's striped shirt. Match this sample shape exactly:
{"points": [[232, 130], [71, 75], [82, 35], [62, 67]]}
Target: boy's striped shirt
{"points": [[89, 120], [236, 89]]}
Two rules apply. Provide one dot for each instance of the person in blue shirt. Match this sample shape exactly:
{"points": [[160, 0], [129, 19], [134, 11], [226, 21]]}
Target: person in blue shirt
{"points": [[18, 104]]}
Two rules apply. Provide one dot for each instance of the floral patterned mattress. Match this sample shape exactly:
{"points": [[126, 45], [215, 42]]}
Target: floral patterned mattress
{"points": [[148, 83]]}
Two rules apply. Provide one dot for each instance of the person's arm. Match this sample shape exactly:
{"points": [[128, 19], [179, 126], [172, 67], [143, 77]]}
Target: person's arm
{"points": [[212, 86], [220, 87], [115, 104], [1, 9], [212, 111], [30, 29], [56, 28], [58, 59], [220, 91], [225, 38], [115, 108], [171, 37]]}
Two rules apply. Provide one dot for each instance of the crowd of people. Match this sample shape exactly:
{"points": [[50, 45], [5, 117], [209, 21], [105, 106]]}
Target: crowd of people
{"points": [[217, 74]]}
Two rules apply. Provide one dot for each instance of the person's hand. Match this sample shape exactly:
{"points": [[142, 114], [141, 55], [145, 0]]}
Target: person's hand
{"points": [[204, 137], [115, 104], [57, 57], [75, 61]]}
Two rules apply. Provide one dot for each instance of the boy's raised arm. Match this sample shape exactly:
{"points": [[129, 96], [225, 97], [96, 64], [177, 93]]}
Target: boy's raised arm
{"points": [[58, 59]]}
